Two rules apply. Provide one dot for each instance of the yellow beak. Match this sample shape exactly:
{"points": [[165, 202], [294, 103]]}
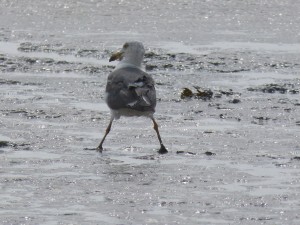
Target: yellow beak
{"points": [[116, 56]]}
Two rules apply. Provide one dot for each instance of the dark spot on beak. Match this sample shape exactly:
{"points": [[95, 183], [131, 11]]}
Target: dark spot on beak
{"points": [[113, 58]]}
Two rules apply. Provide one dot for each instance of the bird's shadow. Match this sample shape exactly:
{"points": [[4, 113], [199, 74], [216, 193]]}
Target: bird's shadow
{"points": [[161, 151]]}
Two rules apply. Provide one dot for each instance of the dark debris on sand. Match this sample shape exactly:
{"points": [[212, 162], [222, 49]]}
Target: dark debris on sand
{"points": [[275, 88], [199, 93], [207, 94]]}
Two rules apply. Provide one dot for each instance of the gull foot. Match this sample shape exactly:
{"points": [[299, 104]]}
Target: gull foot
{"points": [[99, 149], [162, 149], [94, 149]]}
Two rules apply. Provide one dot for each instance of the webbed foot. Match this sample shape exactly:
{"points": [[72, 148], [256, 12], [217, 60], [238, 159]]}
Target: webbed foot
{"points": [[162, 149]]}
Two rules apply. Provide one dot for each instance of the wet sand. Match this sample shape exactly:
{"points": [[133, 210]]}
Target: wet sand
{"points": [[233, 156]]}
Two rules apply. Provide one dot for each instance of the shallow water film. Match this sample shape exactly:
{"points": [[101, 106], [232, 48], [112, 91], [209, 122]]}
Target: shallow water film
{"points": [[228, 90]]}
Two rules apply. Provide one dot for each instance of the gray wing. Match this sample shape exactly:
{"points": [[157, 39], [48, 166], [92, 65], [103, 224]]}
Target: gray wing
{"points": [[131, 88]]}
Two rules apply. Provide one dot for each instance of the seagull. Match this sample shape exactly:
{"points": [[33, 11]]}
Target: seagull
{"points": [[129, 90]]}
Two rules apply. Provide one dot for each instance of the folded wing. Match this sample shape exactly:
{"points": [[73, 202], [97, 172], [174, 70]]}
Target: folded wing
{"points": [[131, 88]]}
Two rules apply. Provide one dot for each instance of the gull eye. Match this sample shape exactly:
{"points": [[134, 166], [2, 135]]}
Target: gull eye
{"points": [[125, 45]]}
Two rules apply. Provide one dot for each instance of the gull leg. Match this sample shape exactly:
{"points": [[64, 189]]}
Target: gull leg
{"points": [[100, 148], [162, 149]]}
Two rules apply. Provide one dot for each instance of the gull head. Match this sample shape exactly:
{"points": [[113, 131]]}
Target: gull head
{"points": [[132, 53]]}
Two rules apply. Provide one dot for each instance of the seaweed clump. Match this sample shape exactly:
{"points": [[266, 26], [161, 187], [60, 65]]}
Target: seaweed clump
{"points": [[199, 93]]}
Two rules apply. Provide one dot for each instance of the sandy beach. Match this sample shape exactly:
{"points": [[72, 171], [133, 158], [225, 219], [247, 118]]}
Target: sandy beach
{"points": [[233, 142]]}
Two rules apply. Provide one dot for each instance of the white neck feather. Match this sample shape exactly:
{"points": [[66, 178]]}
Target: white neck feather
{"points": [[126, 65]]}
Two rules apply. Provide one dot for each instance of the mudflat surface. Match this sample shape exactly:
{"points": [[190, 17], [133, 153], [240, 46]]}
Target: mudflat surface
{"points": [[228, 81]]}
